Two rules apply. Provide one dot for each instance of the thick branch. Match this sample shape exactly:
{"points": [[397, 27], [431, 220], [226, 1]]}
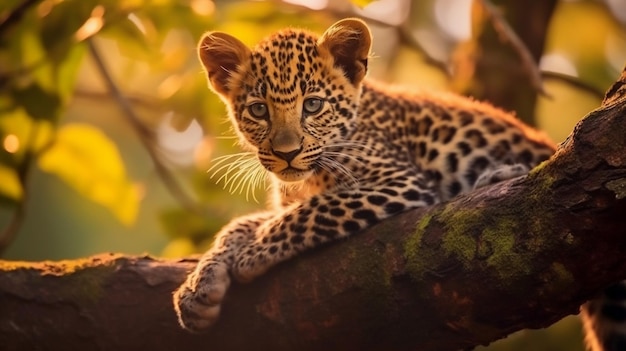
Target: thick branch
{"points": [[520, 254]]}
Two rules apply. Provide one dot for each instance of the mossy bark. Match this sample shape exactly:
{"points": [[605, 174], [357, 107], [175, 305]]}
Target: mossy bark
{"points": [[520, 254]]}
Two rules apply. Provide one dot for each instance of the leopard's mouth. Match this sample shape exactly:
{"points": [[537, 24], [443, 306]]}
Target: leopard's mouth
{"points": [[292, 174]]}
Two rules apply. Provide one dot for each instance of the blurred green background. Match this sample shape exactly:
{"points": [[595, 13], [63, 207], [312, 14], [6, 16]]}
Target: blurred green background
{"points": [[107, 129]]}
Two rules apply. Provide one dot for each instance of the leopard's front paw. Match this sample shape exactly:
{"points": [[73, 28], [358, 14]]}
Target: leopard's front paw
{"points": [[248, 266], [198, 301], [501, 173]]}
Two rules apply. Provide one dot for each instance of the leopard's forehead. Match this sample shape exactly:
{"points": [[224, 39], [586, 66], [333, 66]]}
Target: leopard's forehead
{"points": [[284, 65], [287, 40]]}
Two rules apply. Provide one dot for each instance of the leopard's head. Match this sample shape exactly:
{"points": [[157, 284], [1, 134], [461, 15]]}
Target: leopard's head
{"points": [[292, 97]]}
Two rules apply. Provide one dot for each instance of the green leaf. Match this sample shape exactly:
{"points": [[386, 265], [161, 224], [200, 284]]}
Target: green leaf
{"points": [[11, 191], [60, 25], [88, 161], [38, 103], [23, 59], [28, 63], [8, 5], [32, 136], [179, 223], [17, 123], [179, 247], [65, 72], [132, 42]]}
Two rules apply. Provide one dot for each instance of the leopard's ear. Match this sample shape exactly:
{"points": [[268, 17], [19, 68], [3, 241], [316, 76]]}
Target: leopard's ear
{"points": [[221, 54], [349, 42]]}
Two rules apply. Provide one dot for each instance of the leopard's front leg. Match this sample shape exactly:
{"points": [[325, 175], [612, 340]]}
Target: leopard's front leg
{"points": [[327, 217], [197, 301]]}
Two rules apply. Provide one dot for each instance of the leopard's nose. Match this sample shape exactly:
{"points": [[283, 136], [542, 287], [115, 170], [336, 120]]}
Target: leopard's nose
{"points": [[286, 144], [287, 156]]}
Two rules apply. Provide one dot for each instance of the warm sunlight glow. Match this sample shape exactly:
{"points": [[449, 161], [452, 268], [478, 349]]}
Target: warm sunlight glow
{"points": [[431, 42], [169, 86], [558, 63], [46, 6], [453, 16], [11, 143], [179, 145], [137, 22], [393, 12], [203, 153], [203, 7], [141, 190], [615, 50], [312, 4], [92, 25], [618, 9]]}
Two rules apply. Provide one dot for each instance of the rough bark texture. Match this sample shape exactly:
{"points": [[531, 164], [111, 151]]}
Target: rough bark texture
{"points": [[521, 254]]}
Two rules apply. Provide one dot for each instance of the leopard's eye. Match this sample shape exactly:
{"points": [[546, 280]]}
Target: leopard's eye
{"points": [[312, 105], [258, 110]]}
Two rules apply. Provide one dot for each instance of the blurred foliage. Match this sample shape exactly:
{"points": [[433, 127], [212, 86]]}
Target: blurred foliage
{"points": [[96, 172], [59, 117], [75, 174]]}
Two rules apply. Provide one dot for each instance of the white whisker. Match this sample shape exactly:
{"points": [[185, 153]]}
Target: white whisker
{"points": [[239, 173], [345, 177], [226, 137], [224, 162]]}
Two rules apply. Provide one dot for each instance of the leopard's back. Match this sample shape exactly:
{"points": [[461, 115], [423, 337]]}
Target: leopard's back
{"points": [[452, 139]]}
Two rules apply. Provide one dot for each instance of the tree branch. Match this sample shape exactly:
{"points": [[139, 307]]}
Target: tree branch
{"points": [[9, 232], [520, 254]]}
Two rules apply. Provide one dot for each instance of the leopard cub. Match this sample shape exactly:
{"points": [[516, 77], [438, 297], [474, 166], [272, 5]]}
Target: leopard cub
{"points": [[343, 152]]}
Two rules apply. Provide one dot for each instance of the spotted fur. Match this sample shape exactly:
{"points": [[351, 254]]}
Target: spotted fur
{"points": [[604, 319], [343, 152]]}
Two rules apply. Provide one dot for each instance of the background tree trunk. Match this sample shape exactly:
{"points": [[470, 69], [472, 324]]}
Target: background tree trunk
{"points": [[497, 68], [520, 254]]}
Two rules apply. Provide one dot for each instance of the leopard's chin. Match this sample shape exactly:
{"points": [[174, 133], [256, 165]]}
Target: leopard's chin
{"points": [[293, 174]]}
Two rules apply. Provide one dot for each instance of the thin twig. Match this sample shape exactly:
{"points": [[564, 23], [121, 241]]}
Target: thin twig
{"points": [[135, 99], [504, 29], [17, 13], [15, 223], [23, 170], [145, 135], [575, 82]]}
